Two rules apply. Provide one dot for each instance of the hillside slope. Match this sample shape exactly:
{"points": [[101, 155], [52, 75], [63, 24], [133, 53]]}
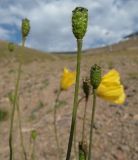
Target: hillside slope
{"points": [[115, 131]]}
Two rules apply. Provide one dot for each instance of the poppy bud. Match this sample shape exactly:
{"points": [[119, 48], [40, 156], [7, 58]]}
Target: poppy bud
{"points": [[11, 46], [25, 27], [95, 76], [79, 22], [86, 87]]}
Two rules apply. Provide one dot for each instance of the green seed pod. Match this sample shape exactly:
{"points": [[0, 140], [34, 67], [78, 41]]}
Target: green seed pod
{"points": [[34, 134], [95, 76], [79, 22], [25, 27], [82, 151], [86, 87], [11, 46]]}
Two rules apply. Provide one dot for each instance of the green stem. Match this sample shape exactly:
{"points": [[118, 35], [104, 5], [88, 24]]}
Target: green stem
{"points": [[20, 129], [75, 148], [33, 151], [55, 126], [92, 124], [84, 119], [83, 130], [13, 112], [75, 104], [14, 106]]}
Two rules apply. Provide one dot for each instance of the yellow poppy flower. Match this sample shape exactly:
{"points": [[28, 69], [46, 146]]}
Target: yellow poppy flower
{"points": [[67, 79], [111, 88]]}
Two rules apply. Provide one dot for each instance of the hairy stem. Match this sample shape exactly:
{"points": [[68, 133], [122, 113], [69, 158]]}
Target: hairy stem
{"points": [[55, 126], [92, 124], [75, 104], [84, 120], [14, 106]]}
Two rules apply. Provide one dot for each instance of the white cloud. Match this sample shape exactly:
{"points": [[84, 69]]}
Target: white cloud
{"points": [[109, 21], [4, 33]]}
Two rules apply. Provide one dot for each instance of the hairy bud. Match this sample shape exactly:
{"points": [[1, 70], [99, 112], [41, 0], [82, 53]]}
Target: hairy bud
{"points": [[95, 76], [25, 27], [79, 22]]}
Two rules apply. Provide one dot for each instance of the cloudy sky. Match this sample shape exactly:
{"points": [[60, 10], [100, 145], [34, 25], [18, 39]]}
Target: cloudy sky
{"points": [[109, 21]]}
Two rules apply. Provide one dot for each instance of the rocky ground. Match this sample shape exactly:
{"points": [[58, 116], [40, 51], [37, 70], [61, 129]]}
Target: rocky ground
{"points": [[116, 126]]}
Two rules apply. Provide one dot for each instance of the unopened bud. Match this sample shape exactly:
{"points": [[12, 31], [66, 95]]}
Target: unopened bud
{"points": [[11, 46], [95, 76], [34, 134], [86, 87], [25, 27], [79, 22]]}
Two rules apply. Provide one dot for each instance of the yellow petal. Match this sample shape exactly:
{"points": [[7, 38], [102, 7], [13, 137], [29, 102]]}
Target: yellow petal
{"points": [[66, 70], [111, 89], [67, 79], [112, 76]]}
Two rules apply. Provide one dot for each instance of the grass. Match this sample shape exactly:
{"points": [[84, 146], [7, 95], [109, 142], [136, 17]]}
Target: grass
{"points": [[31, 55], [28, 54]]}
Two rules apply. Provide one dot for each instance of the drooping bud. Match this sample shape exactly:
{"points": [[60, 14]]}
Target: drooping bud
{"points": [[25, 27], [79, 22], [86, 87], [82, 151], [95, 76], [11, 46]]}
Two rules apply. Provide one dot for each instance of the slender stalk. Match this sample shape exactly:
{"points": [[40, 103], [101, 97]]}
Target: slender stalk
{"points": [[14, 106], [30, 148], [55, 126], [75, 104], [13, 112], [33, 151], [75, 148], [79, 101], [18, 112], [92, 124], [20, 130], [84, 119]]}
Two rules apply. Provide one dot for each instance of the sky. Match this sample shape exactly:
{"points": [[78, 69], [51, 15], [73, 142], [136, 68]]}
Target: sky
{"points": [[51, 28]]}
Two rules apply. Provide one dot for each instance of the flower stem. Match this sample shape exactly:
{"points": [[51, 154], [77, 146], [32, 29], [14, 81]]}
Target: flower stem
{"points": [[92, 124], [20, 129], [33, 151], [55, 126], [75, 104], [14, 106], [84, 119], [74, 138], [13, 112]]}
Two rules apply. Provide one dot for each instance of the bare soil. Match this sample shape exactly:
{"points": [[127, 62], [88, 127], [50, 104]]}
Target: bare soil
{"points": [[116, 126]]}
